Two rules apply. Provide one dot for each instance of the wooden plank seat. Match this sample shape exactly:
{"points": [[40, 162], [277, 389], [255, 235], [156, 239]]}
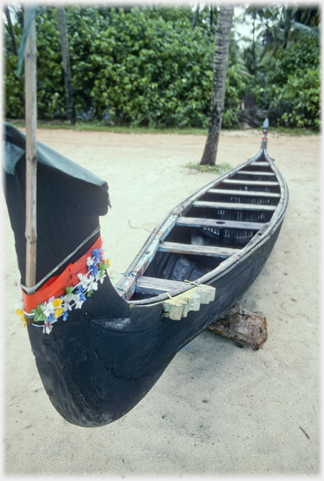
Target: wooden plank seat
{"points": [[246, 193], [177, 306], [259, 164], [250, 182], [233, 205], [221, 224], [154, 286], [196, 249], [255, 172]]}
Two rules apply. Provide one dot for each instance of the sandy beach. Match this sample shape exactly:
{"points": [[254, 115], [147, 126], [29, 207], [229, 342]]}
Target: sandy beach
{"points": [[217, 409]]}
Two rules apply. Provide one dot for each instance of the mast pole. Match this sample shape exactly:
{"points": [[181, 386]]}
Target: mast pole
{"points": [[31, 154], [264, 141]]}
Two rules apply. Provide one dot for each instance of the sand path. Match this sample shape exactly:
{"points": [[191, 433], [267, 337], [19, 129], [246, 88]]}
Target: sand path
{"points": [[217, 409]]}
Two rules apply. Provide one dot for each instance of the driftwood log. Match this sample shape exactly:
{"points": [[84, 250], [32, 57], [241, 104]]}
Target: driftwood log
{"points": [[242, 326]]}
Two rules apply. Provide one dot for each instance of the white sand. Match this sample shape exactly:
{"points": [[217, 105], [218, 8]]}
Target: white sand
{"points": [[217, 409]]}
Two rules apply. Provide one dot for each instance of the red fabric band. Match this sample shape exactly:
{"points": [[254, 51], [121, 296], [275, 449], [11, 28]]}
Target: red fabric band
{"points": [[57, 285]]}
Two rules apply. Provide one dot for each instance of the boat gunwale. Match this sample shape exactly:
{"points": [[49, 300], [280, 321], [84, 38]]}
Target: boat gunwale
{"points": [[230, 263]]}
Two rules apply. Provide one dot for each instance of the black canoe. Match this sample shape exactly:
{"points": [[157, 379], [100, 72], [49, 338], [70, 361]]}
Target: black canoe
{"points": [[99, 359]]}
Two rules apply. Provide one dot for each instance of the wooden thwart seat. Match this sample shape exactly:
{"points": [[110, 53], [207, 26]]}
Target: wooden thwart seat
{"points": [[246, 193], [195, 249], [259, 164], [250, 182], [256, 172], [221, 224], [233, 205], [154, 286], [178, 306]]}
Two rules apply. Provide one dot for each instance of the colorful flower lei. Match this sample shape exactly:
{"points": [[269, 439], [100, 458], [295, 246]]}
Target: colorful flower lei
{"points": [[50, 311]]}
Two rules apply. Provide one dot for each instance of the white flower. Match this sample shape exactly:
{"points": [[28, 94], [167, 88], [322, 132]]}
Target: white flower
{"points": [[84, 281], [48, 307], [93, 286], [101, 277], [47, 328], [19, 305], [89, 261], [67, 299], [78, 302]]}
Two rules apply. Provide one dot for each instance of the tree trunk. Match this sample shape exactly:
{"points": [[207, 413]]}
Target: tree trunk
{"points": [[287, 27], [11, 30], [253, 48], [195, 18], [211, 16], [223, 33], [66, 64]]}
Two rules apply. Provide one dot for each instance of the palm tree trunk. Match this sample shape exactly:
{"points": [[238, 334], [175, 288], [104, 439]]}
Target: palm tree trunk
{"points": [[211, 16], [223, 33], [287, 27], [194, 22], [66, 63], [11, 30], [253, 47]]}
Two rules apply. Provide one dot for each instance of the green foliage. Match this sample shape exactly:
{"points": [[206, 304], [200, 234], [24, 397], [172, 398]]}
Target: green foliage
{"points": [[141, 67], [294, 99], [287, 82], [146, 67], [299, 99], [213, 169], [15, 93]]}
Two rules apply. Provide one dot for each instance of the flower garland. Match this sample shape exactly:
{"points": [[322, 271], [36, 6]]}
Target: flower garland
{"points": [[50, 311]]}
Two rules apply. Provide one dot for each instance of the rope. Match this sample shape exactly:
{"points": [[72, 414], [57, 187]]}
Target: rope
{"points": [[129, 274], [192, 282]]}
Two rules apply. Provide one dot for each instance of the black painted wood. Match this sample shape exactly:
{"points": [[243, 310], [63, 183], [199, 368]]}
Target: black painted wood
{"points": [[102, 361], [95, 370]]}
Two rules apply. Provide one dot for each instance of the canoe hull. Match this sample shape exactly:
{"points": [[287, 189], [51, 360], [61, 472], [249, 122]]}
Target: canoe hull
{"points": [[95, 370]]}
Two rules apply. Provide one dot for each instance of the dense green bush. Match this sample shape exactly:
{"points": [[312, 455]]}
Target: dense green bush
{"points": [[295, 93], [146, 66], [143, 67]]}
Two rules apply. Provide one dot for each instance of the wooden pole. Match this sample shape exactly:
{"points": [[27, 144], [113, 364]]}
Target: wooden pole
{"points": [[31, 155]]}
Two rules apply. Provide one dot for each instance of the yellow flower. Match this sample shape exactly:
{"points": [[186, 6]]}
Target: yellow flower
{"points": [[57, 302], [58, 312], [108, 262], [21, 313]]}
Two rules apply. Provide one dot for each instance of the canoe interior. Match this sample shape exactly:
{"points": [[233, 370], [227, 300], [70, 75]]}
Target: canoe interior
{"points": [[216, 225]]}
